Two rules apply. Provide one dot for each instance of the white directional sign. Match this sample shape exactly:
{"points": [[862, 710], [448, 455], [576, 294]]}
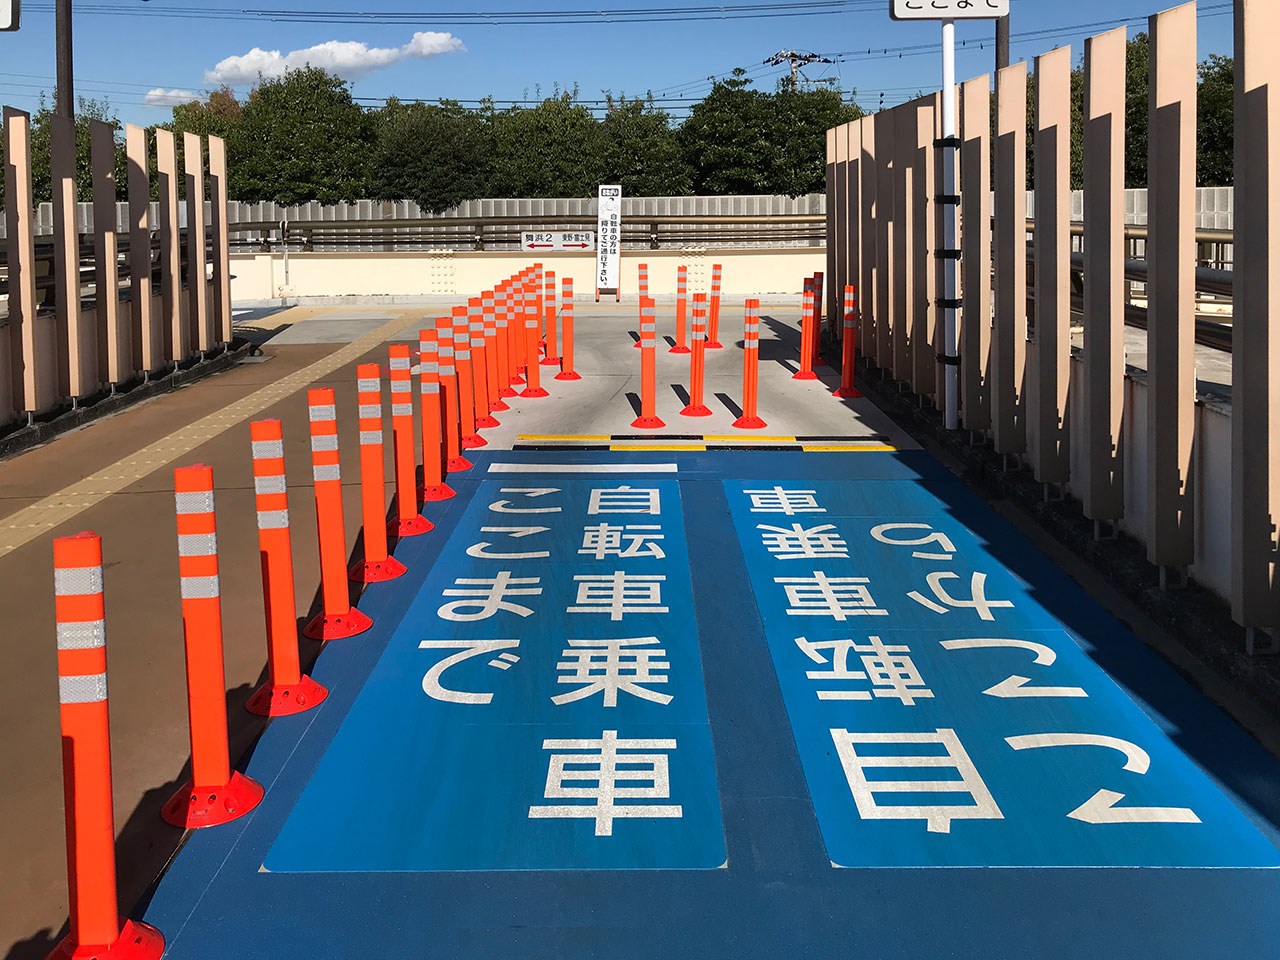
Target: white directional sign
{"points": [[609, 230], [9, 14], [949, 9], [558, 240]]}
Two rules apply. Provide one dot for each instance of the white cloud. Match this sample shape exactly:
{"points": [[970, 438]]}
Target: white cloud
{"points": [[347, 58], [160, 97]]}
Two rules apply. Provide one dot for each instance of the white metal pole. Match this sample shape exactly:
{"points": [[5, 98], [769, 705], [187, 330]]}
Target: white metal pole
{"points": [[950, 233]]}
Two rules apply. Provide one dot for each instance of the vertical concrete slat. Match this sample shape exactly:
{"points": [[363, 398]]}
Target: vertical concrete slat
{"points": [[868, 295], [176, 342], [903, 301], [924, 312], [221, 239], [115, 347], [1102, 483], [1255, 354], [835, 210], [1048, 394], [975, 216], [1009, 328], [77, 346], [853, 215], [204, 335], [885, 267], [839, 263], [1171, 294], [31, 357], [144, 328]]}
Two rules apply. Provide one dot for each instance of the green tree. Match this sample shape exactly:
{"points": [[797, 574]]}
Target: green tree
{"points": [[800, 120], [300, 138], [41, 139], [727, 139], [642, 151], [555, 149], [1216, 123], [436, 155]]}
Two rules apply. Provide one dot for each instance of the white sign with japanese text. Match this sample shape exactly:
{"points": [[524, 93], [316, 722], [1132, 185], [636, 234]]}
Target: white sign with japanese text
{"points": [[948, 9], [9, 10], [558, 240], [609, 230]]}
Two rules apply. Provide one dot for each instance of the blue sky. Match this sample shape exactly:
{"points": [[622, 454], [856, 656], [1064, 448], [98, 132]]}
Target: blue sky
{"points": [[122, 55]]}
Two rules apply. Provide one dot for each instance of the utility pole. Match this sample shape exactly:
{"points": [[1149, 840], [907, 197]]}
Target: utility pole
{"points": [[64, 101], [1002, 42], [796, 58]]}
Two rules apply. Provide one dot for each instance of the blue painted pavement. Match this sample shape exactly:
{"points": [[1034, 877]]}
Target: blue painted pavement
{"points": [[472, 789]]}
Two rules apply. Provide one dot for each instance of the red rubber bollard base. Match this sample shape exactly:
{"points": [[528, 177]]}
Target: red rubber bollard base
{"points": [[804, 375], [338, 626], [639, 345], [457, 464], [551, 361], [647, 423], [534, 392], [850, 394], [284, 700], [567, 375], [196, 807], [679, 350], [696, 411], [436, 492], [518, 380], [749, 423], [505, 392], [819, 362], [471, 441], [137, 941], [715, 345], [377, 571], [498, 405], [413, 527], [487, 422]]}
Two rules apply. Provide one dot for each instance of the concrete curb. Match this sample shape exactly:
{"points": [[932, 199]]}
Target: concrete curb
{"points": [[103, 405]]}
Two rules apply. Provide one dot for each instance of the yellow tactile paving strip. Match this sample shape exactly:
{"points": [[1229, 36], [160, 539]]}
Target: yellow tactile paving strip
{"points": [[42, 516]]}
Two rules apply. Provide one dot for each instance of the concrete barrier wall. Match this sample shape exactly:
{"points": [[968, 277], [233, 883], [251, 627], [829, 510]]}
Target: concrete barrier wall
{"points": [[262, 277]]}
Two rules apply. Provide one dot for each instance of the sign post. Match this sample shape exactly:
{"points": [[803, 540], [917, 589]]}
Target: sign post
{"points": [[609, 247], [949, 11]]}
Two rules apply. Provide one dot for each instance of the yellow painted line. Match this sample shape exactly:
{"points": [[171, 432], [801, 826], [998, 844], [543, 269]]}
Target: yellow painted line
{"points": [[656, 446], [748, 438], [869, 448], [42, 516], [565, 437]]}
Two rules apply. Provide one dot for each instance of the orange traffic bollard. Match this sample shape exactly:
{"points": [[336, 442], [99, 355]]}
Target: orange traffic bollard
{"points": [[697, 365], [536, 280], [287, 690], [451, 422], [377, 564], [406, 521], [493, 368], [97, 929], [817, 320], [713, 328], [648, 419], [532, 375], [467, 412], [215, 793], [338, 618], [848, 349], [566, 312], [750, 419], [643, 273], [682, 311], [552, 359], [519, 338], [479, 366], [506, 344], [806, 336], [433, 487]]}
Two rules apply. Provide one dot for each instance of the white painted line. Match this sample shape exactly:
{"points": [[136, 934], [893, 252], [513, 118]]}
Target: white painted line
{"points": [[583, 468]]}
